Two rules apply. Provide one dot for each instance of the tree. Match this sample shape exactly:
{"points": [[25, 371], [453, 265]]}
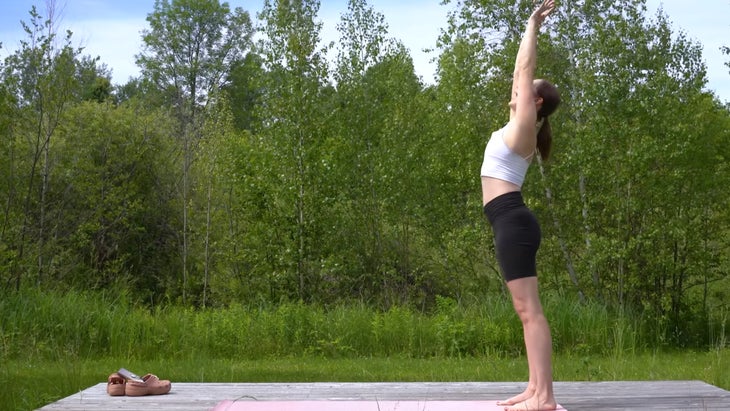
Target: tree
{"points": [[8, 180], [635, 130], [116, 229], [292, 120], [243, 91], [41, 77], [357, 147], [189, 48], [94, 81], [187, 53]]}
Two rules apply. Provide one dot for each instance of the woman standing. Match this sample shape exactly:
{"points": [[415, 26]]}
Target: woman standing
{"points": [[516, 231]]}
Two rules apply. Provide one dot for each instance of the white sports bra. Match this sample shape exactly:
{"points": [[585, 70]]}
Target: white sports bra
{"points": [[502, 163]]}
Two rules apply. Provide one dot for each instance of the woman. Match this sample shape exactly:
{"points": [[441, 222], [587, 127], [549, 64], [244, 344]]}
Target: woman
{"points": [[516, 230]]}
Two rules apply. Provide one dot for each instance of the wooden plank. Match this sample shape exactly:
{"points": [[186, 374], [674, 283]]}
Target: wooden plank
{"points": [[574, 396], [360, 405]]}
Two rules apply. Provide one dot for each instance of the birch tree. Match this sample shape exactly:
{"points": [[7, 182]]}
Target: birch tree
{"points": [[292, 121]]}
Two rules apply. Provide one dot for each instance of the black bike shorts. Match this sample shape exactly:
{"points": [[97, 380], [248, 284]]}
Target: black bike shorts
{"points": [[516, 235]]}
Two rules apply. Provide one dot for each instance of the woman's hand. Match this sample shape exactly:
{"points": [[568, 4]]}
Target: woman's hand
{"points": [[539, 15]]}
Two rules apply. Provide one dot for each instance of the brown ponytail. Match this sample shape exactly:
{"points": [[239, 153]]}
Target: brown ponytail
{"points": [[544, 139], [550, 102]]}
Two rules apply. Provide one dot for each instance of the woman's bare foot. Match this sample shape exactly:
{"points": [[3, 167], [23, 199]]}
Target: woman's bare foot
{"points": [[527, 394], [533, 403]]}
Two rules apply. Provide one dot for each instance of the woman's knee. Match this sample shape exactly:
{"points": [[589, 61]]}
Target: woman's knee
{"points": [[525, 299], [528, 310]]}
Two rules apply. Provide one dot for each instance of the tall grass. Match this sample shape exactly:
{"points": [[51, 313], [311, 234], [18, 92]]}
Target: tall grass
{"points": [[75, 324]]}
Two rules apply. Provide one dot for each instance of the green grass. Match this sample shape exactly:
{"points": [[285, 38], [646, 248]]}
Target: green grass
{"points": [[36, 325], [31, 385], [53, 345]]}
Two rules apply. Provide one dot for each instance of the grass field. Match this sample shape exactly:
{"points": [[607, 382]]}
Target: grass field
{"points": [[52, 346]]}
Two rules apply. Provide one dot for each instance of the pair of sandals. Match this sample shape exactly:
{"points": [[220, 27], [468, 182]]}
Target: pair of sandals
{"points": [[124, 382]]}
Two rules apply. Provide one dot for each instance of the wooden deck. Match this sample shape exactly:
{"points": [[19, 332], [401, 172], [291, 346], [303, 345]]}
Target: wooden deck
{"points": [[574, 396]]}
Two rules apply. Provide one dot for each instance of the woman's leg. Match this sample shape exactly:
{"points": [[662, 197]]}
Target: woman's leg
{"points": [[538, 343]]}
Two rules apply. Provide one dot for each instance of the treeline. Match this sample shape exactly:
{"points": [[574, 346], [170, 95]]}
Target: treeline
{"points": [[244, 167]]}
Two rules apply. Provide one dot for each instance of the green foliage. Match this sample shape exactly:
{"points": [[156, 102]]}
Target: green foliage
{"points": [[116, 194], [243, 92], [39, 79], [640, 148], [292, 123], [261, 175], [190, 45]]}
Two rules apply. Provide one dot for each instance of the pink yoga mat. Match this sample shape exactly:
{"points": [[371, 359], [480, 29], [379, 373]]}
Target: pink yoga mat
{"points": [[360, 406]]}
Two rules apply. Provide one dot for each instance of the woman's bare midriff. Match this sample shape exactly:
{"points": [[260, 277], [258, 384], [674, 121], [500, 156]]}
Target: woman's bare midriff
{"points": [[495, 187]]}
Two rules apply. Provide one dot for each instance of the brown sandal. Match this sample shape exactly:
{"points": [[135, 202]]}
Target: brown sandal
{"points": [[115, 385], [151, 386]]}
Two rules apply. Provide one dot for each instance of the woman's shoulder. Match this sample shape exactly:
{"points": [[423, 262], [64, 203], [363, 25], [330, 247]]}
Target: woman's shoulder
{"points": [[501, 130], [521, 140]]}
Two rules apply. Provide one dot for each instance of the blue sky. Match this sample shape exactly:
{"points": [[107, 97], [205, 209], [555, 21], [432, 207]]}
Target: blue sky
{"points": [[111, 29]]}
